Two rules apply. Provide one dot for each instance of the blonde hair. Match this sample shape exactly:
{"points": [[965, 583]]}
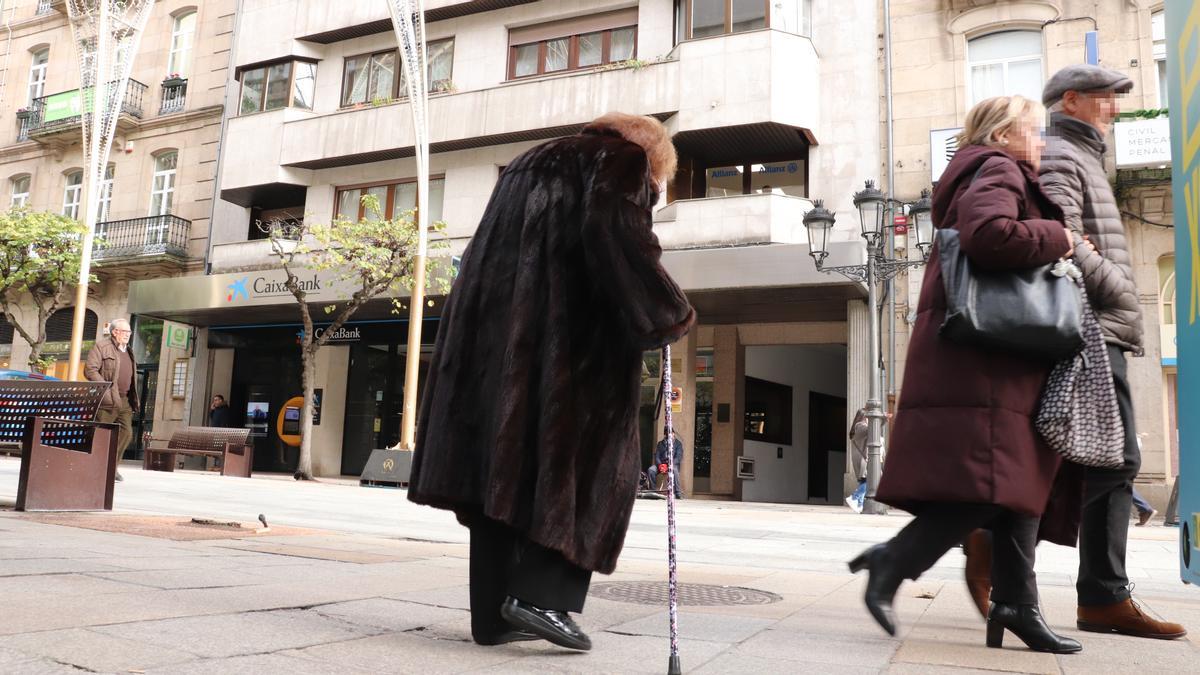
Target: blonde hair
{"points": [[994, 116]]}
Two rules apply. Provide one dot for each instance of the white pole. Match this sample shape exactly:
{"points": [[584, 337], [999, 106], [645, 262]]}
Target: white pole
{"points": [[408, 20], [106, 34]]}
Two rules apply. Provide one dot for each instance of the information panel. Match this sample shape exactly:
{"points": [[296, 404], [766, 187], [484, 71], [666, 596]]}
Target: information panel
{"points": [[1183, 73]]}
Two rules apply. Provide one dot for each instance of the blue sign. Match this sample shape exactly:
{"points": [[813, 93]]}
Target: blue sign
{"points": [[1183, 74], [1091, 47]]}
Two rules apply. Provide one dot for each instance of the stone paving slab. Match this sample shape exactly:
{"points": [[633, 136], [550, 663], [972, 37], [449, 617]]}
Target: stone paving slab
{"points": [[788, 646], [12, 661], [406, 653], [259, 664], [696, 626], [95, 651], [239, 634], [390, 615]]}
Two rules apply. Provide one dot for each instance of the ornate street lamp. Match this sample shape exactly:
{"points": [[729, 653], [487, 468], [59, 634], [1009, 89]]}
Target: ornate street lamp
{"points": [[922, 215], [874, 211]]}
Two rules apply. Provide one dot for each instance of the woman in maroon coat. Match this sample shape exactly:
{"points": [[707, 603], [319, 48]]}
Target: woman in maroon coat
{"points": [[964, 452]]}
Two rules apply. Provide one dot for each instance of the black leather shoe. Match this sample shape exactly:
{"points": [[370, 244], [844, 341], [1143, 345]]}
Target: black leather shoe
{"points": [[882, 584], [1026, 622], [548, 624], [507, 637]]}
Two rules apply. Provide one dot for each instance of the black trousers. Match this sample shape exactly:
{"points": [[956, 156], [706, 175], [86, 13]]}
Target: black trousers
{"points": [[504, 563], [1107, 504], [935, 530]]}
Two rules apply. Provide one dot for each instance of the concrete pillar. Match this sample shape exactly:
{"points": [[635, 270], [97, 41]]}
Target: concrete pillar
{"points": [[858, 376], [729, 384]]}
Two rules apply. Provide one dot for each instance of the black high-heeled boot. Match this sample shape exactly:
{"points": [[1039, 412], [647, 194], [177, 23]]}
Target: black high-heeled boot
{"points": [[1026, 622], [882, 584]]}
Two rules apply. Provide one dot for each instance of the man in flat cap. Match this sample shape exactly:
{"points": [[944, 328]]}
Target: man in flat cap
{"points": [[1082, 100]]}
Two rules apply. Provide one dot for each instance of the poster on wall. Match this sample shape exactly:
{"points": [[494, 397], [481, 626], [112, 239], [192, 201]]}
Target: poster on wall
{"points": [[318, 396], [1183, 74]]}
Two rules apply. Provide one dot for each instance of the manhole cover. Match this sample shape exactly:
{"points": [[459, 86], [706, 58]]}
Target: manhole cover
{"points": [[695, 595]]}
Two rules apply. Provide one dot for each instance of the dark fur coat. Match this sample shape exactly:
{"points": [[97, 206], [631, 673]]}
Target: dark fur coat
{"points": [[530, 411]]}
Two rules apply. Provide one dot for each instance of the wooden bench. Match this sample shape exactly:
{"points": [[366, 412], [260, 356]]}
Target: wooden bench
{"points": [[232, 446], [66, 457]]}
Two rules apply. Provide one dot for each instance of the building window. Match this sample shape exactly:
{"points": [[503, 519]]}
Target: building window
{"points": [[369, 78], [37, 74], [1158, 31], [179, 375], [182, 33], [548, 49], [789, 177], [1166, 289], [394, 199], [768, 412], [104, 208], [278, 85], [20, 190], [162, 189], [706, 18], [1004, 64], [72, 194]]}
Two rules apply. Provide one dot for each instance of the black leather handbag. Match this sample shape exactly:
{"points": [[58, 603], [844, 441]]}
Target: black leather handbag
{"points": [[1032, 312]]}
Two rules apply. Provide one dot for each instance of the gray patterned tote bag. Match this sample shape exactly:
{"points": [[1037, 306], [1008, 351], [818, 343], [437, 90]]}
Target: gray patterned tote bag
{"points": [[1078, 414]]}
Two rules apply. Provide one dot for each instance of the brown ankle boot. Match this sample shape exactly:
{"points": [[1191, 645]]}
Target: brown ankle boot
{"points": [[978, 549], [1127, 618]]}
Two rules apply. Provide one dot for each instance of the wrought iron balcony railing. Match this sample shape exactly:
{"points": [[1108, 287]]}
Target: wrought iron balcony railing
{"points": [[44, 7], [135, 237], [174, 94], [62, 110]]}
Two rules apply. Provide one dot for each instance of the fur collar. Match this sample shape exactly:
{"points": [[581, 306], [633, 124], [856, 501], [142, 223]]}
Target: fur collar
{"points": [[646, 132]]}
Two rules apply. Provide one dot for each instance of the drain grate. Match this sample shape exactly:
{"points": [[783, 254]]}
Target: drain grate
{"points": [[694, 595]]}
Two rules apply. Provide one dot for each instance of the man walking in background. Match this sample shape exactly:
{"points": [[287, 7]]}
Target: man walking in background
{"points": [[1083, 104], [111, 361]]}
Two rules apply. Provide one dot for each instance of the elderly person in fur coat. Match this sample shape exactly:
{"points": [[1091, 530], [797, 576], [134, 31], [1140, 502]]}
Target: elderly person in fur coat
{"points": [[529, 419]]}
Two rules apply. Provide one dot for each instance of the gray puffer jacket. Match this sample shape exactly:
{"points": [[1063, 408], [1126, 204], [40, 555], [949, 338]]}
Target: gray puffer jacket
{"points": [[1072, 174]]}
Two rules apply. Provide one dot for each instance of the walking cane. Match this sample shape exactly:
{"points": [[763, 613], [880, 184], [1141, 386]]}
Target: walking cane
{"points": [[673, 667]]}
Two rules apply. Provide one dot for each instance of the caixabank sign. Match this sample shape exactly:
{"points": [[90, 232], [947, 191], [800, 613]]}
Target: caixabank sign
{"points": [[1183, 73]]}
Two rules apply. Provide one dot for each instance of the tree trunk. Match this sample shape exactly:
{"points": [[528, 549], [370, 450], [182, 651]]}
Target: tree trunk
{"points": [[304, 463]]}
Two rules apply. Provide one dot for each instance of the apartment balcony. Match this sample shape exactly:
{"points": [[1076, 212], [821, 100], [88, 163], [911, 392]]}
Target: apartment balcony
{"points": [[706, 84], [738, 220], [152, 240], [55, 119], [242, 255], [174, 95]]}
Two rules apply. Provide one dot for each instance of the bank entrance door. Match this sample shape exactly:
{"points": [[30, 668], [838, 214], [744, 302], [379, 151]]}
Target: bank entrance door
{"points": [[375, 400]]}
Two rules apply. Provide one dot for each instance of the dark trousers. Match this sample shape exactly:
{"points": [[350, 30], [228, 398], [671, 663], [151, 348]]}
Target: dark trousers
{"points": [[504, 563], [1107, 500], [1014, 539], [122, 416]]}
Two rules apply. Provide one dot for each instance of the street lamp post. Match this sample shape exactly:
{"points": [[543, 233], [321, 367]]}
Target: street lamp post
{"points": [[874, 210]]}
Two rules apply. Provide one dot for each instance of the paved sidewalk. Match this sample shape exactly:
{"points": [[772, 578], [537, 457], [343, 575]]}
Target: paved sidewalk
{"points": [[371, 584]]}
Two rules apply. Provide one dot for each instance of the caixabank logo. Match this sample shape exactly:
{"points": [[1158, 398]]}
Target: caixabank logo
{"points": [[236, 289]]}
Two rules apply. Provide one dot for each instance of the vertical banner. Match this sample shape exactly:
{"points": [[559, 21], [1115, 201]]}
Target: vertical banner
{"points": [[1183, 73]]}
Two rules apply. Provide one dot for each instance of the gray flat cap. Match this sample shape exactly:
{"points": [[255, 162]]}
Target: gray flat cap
{"points": [[1084, 77]]}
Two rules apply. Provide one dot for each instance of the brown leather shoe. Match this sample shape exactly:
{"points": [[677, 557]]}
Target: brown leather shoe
{"points": [[978, 549], [1127, 618]]}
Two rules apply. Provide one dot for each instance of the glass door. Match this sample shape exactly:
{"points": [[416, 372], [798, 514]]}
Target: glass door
{"points": [[367, 394], [143, 419]]}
